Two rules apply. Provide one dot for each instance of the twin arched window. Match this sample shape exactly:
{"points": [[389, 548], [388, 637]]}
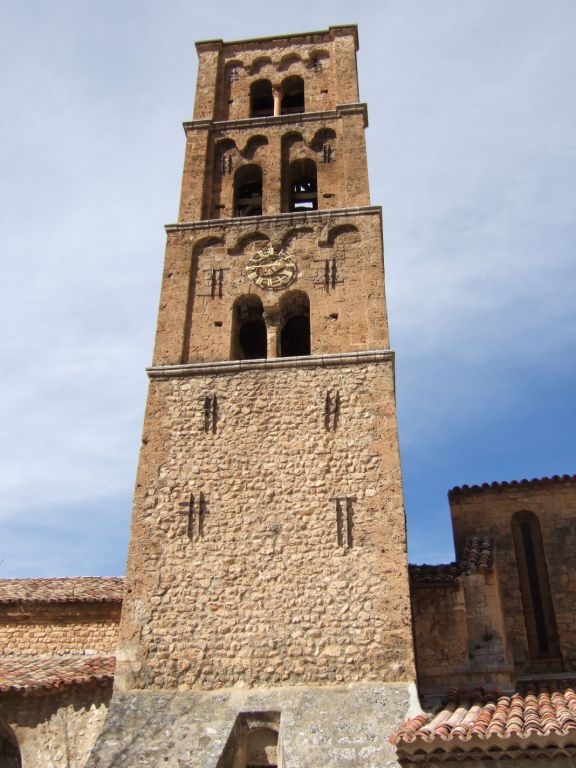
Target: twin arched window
{"points": [[288, 100], [288, 327]]}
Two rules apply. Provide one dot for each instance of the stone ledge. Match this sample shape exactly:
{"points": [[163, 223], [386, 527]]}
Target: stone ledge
{"points": [[276, 218], [266, 364], [274, 120]]}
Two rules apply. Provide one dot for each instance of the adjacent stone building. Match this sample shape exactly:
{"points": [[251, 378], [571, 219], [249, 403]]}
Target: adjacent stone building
{"points": [[57, 643], [269, 617]]}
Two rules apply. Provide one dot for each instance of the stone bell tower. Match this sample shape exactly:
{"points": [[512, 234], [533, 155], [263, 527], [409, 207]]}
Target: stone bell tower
{"points": [[266, 619]]}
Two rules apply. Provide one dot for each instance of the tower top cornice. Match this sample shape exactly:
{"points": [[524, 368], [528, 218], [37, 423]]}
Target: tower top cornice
{"points": [[317, 36]]}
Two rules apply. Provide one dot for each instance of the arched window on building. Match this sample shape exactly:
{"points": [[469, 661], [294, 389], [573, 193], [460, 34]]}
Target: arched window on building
{"points": [[249, 340], [303, 185], [535, 587], [261, 99], [292, 95], [248, 191], [295, 324], [9, 750]]}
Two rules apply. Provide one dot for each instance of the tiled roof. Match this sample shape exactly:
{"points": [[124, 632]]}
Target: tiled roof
{"points": [[85, 589], [26, 673], [535, 482], [435, 574], [478, 553], [478, 556], [543, 713]]}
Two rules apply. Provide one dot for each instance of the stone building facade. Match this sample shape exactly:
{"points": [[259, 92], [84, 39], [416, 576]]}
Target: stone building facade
{"points": [[269, 616], [57, 643]]}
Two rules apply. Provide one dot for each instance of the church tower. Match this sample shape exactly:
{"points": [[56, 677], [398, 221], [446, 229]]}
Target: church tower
{"points": [[266, 618]]}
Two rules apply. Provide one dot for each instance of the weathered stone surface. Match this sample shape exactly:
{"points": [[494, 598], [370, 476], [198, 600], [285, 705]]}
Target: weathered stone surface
{"points": [[261, 589], [56, 729], [329, 726]]}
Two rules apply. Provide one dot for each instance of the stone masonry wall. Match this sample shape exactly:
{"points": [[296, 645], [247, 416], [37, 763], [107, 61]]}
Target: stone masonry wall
{"points": [[440, 633], [490, 511], [325, 60], [270, 583], [56, 729], [272, 144], [195, 325], [56, 628]]}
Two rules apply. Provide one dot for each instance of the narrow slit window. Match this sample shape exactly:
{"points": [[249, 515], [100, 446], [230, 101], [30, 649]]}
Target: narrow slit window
{"points": [[535, 587]]}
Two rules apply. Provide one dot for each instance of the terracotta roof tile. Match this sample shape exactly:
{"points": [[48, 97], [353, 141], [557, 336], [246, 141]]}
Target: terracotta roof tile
{"points": [[446, 573], [85, 589], [26, 673], [478, 556], [478, 553], [535, 482], [540, 709]]}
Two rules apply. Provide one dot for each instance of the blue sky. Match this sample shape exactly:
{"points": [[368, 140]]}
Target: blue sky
{"points": [[472, 154]]}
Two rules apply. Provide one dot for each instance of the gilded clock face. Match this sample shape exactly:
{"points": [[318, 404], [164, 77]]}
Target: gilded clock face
{"points": [[272, 271]]}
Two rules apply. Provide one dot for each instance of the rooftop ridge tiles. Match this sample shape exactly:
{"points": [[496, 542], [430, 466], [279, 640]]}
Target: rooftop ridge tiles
{"points": [[27, 673], [539, 712], [478, 556], [71, 589], [463, 490]]}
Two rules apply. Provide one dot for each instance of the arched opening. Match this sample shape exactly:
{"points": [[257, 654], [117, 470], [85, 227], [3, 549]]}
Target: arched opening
{"points": [[535, 587], [324, 144], [295, 324], [261, 100], [249, 340], [248, 191], [292, 95], [262, 748], [9, 750], [303, 185]]}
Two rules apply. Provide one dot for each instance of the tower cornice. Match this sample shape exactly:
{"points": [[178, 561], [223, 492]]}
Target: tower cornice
{"points": [[322, 35], [278, 218], [273, 121], [267, 364]]}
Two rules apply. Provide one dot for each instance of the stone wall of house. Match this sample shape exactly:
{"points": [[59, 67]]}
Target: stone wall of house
{"points": [[37, 628], [57, 728], [270, 549], [459, 634], [440, 633], [490, 510]]}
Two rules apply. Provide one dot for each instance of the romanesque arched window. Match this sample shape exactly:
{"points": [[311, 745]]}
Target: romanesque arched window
{"points": [[249, 339], [303, 185], [248, 191], [535, 586], [294, 324], [261, 100], [292, 95]]}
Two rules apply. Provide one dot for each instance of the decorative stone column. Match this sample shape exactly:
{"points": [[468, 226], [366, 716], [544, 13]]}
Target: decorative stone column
{"points": [[277, 96], [272, 317]]}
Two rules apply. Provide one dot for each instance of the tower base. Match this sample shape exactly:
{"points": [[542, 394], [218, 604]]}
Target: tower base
{"points": [[333, 727]]}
